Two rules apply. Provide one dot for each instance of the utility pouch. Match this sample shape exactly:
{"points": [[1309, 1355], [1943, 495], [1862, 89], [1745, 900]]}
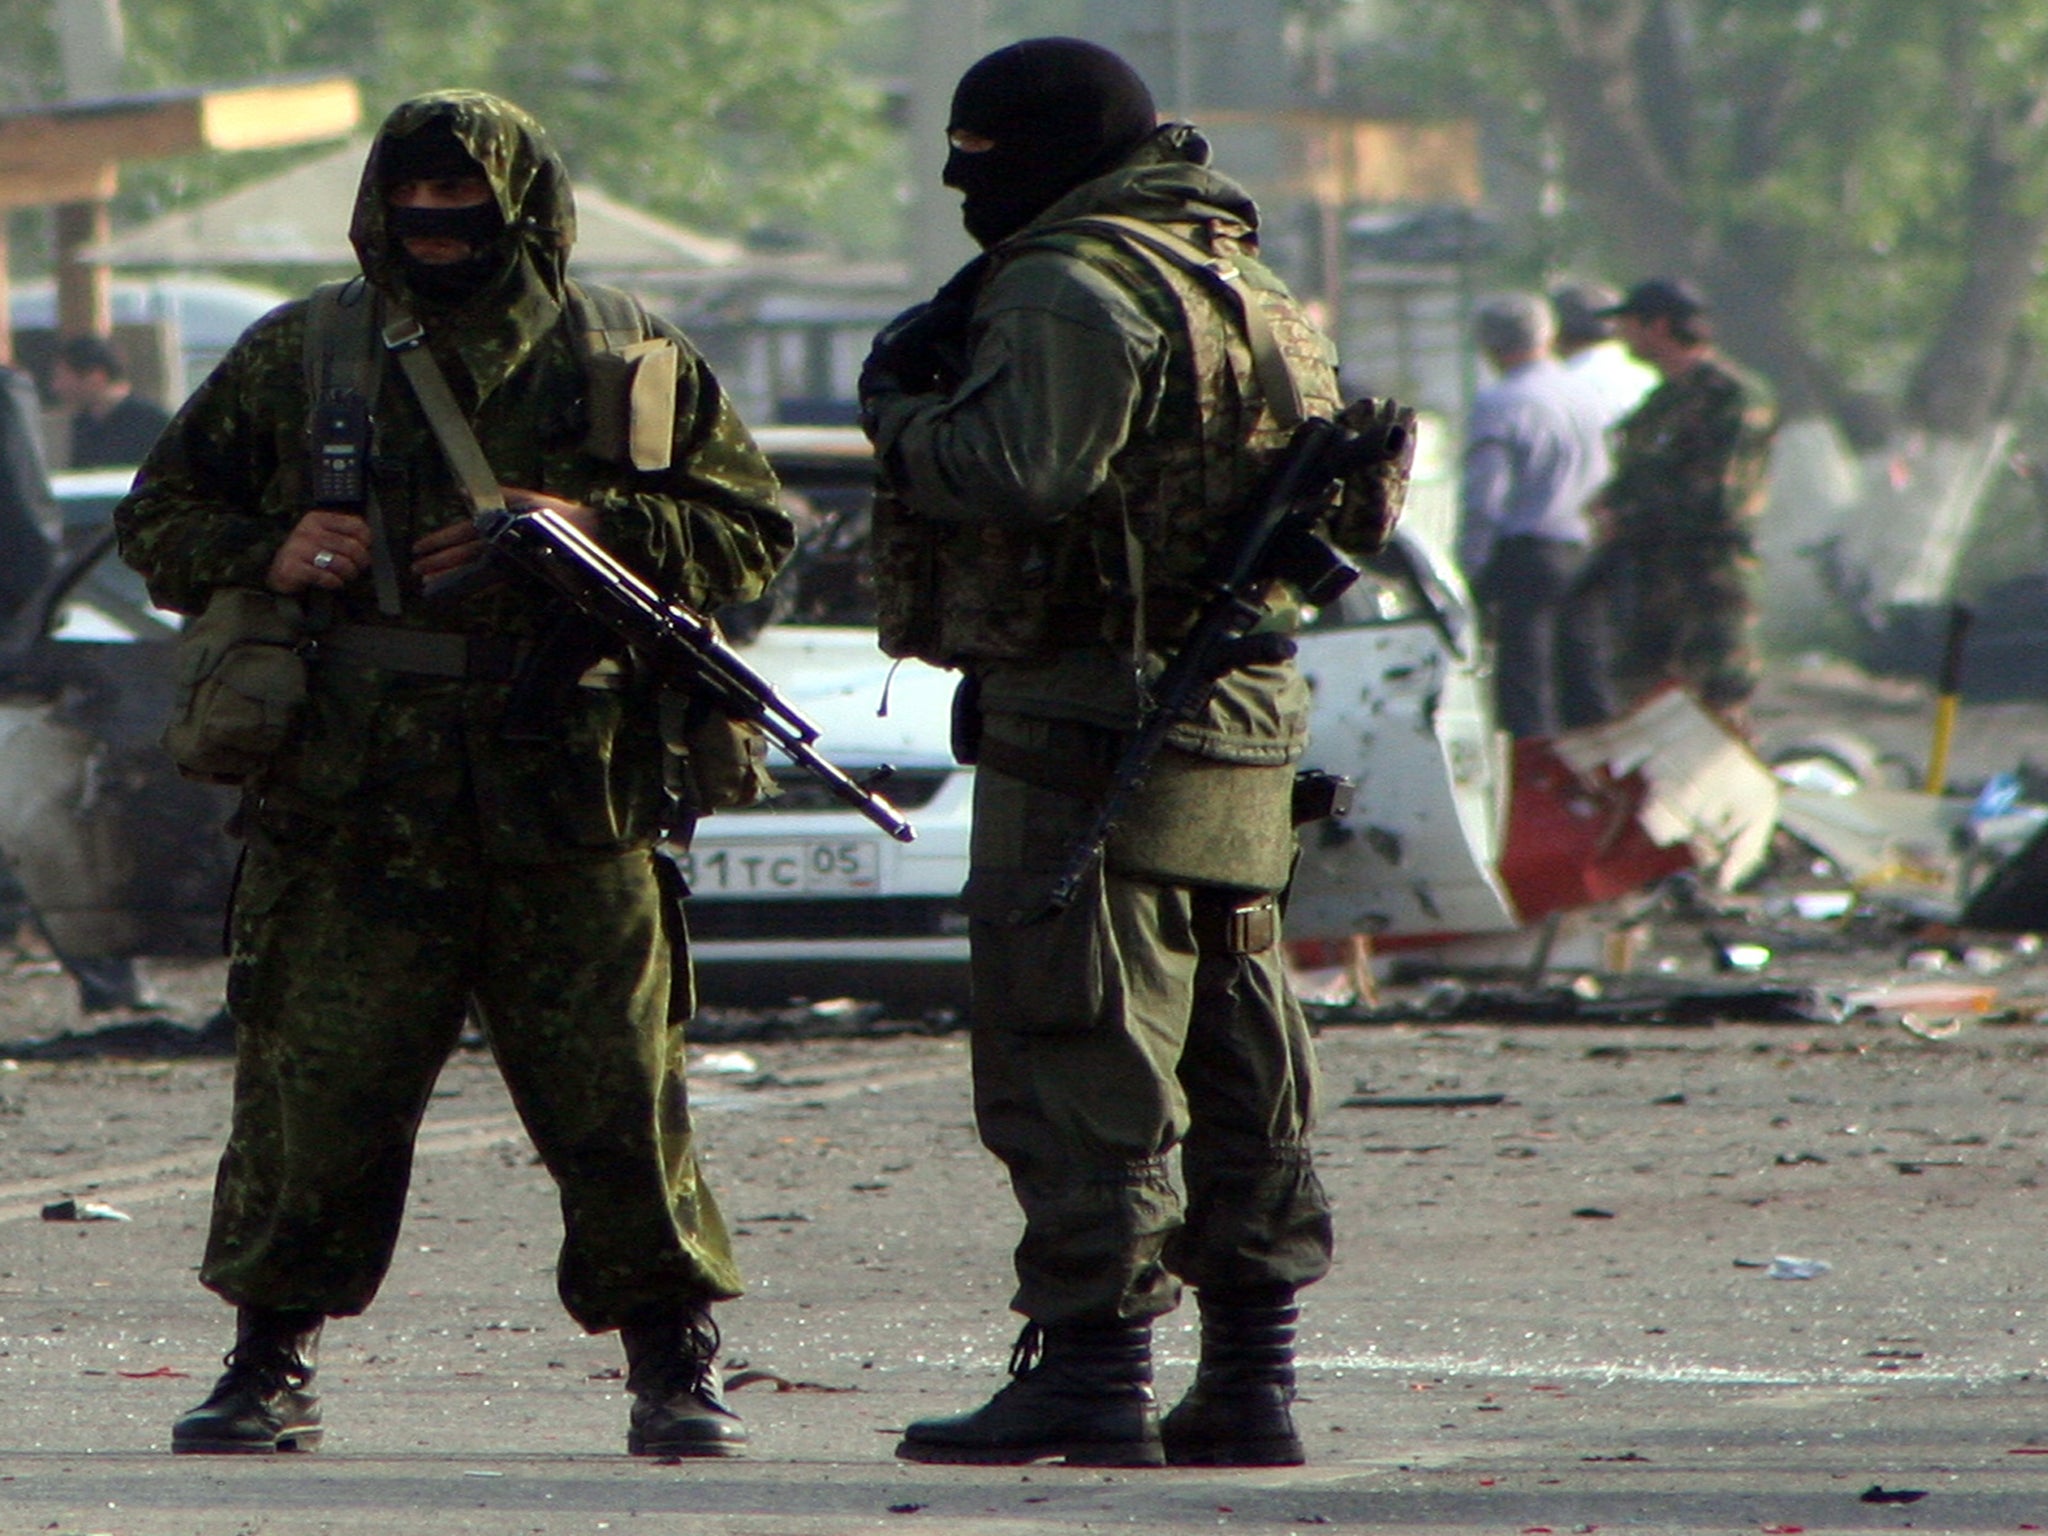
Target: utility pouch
{"points": [[633, 403], [241, 682], [717, 763], [1320, 796]]}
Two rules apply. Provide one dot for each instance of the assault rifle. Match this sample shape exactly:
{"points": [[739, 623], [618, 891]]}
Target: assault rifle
{"points": [[1276, 537], [681, 645]]}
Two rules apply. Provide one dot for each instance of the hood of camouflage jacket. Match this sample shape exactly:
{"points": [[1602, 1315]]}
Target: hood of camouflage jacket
{"points": [[1165, 180], [493, 330]]}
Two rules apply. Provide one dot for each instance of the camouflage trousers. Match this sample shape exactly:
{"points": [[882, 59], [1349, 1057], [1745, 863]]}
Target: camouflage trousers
{"points": [[1105, 1039], [1683, 612], [352, 968]]}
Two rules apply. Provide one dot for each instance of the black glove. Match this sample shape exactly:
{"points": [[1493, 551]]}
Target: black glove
{"points": [[1375, 487], [904, 357], [924, 350]]}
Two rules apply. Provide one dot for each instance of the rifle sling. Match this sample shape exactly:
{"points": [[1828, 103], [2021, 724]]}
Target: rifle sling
{"points": [[407, 341], [338, 356]]}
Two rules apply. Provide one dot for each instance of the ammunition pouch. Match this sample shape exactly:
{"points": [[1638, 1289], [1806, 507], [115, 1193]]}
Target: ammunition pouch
{"points": [[714, 762], [241, 683]]}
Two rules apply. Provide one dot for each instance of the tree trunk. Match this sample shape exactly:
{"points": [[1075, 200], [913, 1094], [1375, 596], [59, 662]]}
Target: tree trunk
{"points": [[1962, 379]]}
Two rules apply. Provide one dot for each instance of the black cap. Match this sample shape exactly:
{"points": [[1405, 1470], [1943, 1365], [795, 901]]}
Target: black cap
{"points": [[1672, 298], [1057, 89]]}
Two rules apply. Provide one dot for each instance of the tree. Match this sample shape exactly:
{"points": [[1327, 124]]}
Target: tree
{"points": [[727, 115], [1862, 185]]}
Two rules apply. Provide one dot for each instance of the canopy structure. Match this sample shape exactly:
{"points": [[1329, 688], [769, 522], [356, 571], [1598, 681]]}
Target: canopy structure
{"points": [[69, 154], [299, 218]]}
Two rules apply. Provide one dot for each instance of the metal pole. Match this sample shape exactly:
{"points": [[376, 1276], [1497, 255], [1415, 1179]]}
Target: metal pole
{"points": [[1950, 689]]}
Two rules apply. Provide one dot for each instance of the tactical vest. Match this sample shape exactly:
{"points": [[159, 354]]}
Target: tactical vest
{"points": [[1122, 569], [630, 374]]}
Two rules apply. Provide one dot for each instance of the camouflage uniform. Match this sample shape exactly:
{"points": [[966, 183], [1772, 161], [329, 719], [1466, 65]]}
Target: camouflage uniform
{"points": [[1679, 567], [1053, 507], [407, 856]]}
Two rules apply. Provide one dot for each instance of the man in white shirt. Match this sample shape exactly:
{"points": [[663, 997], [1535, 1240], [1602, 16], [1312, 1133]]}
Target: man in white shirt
{"points": [[1535, 454]]}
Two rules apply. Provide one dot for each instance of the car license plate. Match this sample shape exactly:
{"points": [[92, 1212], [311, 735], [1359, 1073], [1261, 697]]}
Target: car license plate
{"points": [[841, 864]]}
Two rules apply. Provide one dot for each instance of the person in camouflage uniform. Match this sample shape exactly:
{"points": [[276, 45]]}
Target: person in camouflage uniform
{"points": [[1677, 564], [1062, 434], [410, 856]]}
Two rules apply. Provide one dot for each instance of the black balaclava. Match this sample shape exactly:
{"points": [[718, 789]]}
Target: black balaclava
{"points": [[430, 153], [1061, 111]]}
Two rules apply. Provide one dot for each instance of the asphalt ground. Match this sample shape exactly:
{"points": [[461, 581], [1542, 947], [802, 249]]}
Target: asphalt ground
{"points": [[1556, 1312]]}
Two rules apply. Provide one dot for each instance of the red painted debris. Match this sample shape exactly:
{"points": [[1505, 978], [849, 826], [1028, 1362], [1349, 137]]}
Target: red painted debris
{"points": [[1573, 842]]}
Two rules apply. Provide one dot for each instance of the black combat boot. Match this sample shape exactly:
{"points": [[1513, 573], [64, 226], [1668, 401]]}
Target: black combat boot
{"points": [[672, 1372], [262, 1404], [1079, 1391], [1237, 1412]]}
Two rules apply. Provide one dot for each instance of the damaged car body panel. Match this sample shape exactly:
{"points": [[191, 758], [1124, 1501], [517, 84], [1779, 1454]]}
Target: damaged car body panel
{"points": [[115, 854], [1402, 708]]}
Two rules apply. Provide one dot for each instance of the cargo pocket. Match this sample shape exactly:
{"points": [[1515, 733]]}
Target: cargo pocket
{"points": [[263, 879], [1052, 975]]}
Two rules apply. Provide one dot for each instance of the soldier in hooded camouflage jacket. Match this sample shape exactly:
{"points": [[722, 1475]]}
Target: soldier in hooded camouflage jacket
{"points": [[434, 838]]}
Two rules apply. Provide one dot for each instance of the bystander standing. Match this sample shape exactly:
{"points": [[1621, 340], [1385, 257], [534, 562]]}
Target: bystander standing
{"points": [[1534, 456], [1677, 562], [111, 425], [1587, 346]]}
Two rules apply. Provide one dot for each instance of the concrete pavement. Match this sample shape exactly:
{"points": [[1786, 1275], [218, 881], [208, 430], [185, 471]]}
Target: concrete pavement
{"points": [[1555, 1312]]}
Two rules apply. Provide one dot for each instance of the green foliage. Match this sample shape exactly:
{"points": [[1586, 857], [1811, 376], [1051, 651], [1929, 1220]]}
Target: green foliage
{"points": [[28, 65], [718, 114], [1833, 138]]}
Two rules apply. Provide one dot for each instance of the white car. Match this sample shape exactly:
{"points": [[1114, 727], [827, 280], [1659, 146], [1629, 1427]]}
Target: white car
{"points": [[802, 897]]}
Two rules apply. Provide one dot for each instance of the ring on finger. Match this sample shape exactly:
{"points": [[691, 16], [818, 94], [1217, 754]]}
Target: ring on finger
{"points": [[324, 559]]}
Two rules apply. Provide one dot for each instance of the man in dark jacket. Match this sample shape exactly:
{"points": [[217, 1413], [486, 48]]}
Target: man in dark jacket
{"points": [[111, 425], [1062, 434], [432, 840]]}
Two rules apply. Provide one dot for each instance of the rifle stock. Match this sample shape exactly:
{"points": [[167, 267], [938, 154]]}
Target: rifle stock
{"points": [[682, 646], [1275, 538]]}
